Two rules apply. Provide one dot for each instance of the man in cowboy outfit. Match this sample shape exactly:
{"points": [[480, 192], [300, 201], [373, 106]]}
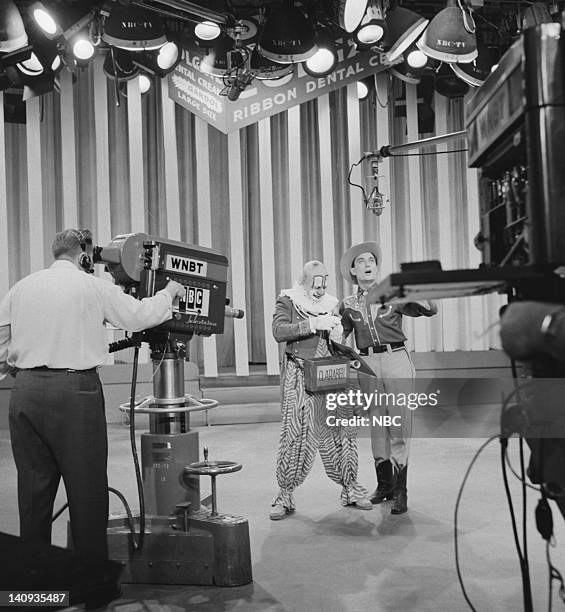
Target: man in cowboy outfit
{"points": [[381, 342]]}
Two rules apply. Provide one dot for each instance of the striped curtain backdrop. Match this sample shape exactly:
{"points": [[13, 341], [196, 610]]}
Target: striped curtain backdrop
{"points": [[270, 197]]}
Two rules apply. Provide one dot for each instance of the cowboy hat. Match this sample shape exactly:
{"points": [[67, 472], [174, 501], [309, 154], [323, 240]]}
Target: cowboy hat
{"points": [[348, 258]]}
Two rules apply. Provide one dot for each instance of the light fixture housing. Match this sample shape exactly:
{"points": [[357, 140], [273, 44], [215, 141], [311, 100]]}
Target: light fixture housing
{"points": [[412, 74], [348, 14], [448, 84], [83, 50], [287, 36], [415, 58], [133, 29], [407, 74], [474, 73], [46, 51], [404, 28], [266, 70], [145, 84], [161, 61], [31, 67], [12, 31], [372, 28], [450, 37], [206, 32], [55, 20], [325, 60], [364, 87]]}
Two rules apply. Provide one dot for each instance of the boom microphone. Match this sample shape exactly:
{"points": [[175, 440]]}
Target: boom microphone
{"points": [[234, 313], [240, 82]]}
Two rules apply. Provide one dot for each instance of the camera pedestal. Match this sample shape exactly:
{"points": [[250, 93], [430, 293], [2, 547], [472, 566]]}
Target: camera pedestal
{"points": [[182, 543]]}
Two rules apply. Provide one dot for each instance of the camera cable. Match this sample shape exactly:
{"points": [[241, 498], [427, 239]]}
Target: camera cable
{"points": [[455, 528]]}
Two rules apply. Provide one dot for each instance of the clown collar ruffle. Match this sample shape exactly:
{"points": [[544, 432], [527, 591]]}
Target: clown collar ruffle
{"points": [[303, 302]]}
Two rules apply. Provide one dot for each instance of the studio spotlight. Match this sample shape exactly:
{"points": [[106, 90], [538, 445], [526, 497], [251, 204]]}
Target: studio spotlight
{"points": [[474, 73], [56, 20], [133, 29], [287, 36], [144, 83], [12, 31], [83, 50], [449, 84], [324, 61], [364, 87], [45, 20], [407, 74], [450, 37], [414, 74], [404, 28], [34, 72], [159, 62], [168, 56], [46, 52], [56, 64], [348, 14], [372, 27], [415, 58], [31, 66], [266, 70], [207, 31]]}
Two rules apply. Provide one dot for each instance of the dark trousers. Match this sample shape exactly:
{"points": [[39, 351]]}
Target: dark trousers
{"points": [[58, 429]]}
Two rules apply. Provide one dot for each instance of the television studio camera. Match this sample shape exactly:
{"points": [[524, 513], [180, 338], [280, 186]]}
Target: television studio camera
{"points": [[179, 541], [515, 129]]}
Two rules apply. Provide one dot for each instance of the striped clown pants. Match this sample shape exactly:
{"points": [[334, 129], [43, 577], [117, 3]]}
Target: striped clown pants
{"points": [[304, 432]]}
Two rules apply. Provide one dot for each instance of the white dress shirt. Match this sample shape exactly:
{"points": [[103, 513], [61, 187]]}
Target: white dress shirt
{"points": [[55, 318]]}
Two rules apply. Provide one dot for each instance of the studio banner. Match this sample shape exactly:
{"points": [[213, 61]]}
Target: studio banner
{"points": [[200, 93]]}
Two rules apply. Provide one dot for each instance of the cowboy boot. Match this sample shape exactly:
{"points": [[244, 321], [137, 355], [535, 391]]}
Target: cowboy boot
{"points": [[383, 492], [399, 494]]}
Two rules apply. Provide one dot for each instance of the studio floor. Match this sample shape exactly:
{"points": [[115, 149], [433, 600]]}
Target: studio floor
{"points": [[328, 558]]}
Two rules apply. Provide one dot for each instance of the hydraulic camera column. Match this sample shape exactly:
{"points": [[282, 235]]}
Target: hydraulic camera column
{"points": [[170, 445]]}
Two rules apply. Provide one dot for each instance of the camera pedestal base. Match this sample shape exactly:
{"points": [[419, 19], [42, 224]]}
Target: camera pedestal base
{"points": [[196, 548]]}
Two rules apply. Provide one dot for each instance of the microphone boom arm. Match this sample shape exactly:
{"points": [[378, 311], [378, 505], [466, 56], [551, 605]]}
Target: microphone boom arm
{"points": [[391, 150]]}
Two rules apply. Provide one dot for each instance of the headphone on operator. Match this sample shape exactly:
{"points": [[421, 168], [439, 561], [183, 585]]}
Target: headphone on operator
{"points": [[84, 261]]}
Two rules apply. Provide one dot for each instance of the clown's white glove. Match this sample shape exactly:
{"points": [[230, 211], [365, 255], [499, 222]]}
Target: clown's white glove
{"points": [[337, 333], [324, 322]]}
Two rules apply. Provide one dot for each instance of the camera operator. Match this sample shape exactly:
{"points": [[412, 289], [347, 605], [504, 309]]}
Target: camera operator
{"points": [[52, 338], [530, 329]]}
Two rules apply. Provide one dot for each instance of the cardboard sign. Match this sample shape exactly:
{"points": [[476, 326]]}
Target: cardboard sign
{"points": [[200, 92]]}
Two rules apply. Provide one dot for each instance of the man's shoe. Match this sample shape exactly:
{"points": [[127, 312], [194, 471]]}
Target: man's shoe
{"points": [[384, 489], [278, 512], [363, 504], [400, 494], [381, 495], [399, 503]]}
